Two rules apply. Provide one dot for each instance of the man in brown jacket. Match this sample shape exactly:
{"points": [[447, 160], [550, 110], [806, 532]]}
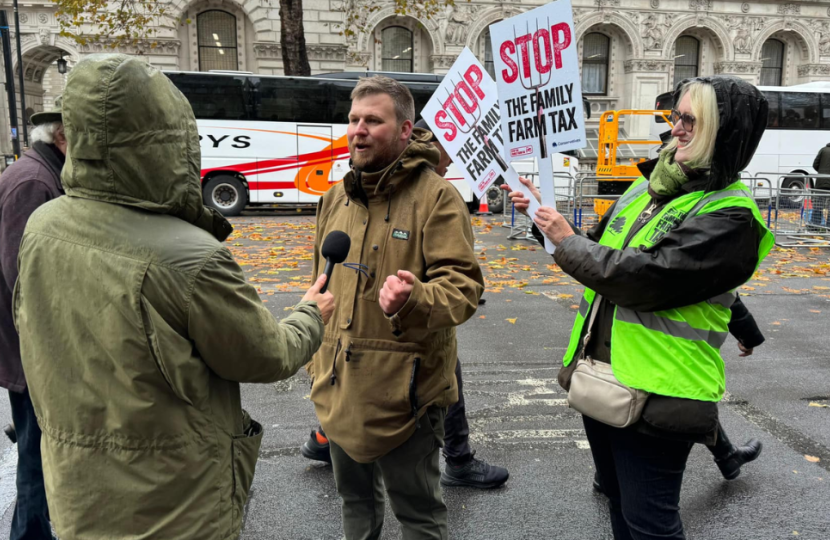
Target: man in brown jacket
{"points": [[385, 373]]}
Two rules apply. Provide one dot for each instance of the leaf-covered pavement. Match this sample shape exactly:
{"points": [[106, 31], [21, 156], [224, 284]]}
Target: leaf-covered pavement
{"points": [[276, 255]]}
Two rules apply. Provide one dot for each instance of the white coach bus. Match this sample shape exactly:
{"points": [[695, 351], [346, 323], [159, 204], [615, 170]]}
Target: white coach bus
{"points": [[798, 126], [269, 140]]}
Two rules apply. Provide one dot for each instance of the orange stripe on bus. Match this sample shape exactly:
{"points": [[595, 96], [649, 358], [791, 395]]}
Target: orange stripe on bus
{"points": [[319, 138]]}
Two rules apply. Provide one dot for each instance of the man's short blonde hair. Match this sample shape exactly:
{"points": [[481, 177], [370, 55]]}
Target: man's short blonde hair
{"points": [[400, 94], [707, 122]]}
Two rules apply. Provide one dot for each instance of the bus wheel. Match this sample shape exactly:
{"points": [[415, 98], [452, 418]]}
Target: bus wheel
{"points": [[495, 199], [796, 183], [226, 194]]}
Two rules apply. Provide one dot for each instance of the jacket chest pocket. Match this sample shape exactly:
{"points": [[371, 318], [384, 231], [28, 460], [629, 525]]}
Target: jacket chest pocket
{"points": [[393, 246], [374, 251]]}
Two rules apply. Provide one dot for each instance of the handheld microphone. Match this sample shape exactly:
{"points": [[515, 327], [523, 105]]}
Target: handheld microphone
{"points": [[335, 250]]}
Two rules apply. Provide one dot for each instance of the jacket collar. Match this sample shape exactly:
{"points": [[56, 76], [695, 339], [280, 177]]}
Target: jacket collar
{"points": [[419, 152], [647, 167], [49, 156], [697, 180]]}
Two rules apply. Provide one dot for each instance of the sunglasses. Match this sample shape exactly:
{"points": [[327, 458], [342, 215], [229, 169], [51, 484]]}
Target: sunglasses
{"points": [[686, 119]]}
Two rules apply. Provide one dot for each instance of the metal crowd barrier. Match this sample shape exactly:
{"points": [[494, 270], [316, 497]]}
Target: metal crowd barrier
{"points": [[521, 225], [799, 217], [586, 193], [763, 193]]}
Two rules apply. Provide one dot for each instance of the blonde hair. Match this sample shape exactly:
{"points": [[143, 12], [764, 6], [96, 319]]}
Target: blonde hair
{"points": [[400, 94], [707, 121]]}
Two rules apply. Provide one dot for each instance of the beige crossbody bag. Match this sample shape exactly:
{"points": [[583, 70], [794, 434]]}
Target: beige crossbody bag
{"points": [[596, 392]]}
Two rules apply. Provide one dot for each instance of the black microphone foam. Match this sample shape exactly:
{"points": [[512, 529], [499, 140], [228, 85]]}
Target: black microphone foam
{"points": [[335, 250], [336, 246]]}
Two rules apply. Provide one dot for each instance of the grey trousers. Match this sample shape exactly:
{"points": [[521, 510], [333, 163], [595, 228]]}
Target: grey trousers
{"points": [[412, 478]]}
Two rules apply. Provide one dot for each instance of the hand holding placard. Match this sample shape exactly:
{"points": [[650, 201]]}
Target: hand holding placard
{"points": [[523, 195], [552, 224], [538, 79]]}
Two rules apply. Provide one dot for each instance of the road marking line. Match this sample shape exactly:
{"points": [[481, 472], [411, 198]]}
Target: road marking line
{"points": [[488, 382], [487, 420], [529, 434]]}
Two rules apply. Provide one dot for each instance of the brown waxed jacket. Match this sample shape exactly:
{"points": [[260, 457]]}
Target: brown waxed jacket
{"points": [[374, 375]]}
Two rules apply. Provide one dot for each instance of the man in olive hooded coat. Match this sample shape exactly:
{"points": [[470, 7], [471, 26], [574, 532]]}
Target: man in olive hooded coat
{"points": [[137, 326]]}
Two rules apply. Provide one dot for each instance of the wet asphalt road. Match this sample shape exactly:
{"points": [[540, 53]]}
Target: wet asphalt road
{"points": [[519, 420]]}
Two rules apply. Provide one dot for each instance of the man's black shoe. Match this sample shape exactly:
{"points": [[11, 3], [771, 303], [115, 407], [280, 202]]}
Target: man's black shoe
{"points": [[730, 466], [10, 433], [597, 485], [315, 448], [476, 473]]}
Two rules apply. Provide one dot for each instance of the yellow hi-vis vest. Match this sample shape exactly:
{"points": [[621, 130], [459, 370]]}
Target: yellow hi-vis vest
{"points": [[675, 352]]}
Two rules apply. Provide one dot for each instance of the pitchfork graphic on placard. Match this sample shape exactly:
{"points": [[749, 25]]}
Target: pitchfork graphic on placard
{"points": [[473, 121], [540, 120]]}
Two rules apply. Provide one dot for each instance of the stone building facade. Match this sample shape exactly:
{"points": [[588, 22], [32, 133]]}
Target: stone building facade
{"points": [[631, 50]]}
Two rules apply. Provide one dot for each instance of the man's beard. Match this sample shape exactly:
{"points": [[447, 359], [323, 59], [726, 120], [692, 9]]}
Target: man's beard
{"points": [[375, 160]]}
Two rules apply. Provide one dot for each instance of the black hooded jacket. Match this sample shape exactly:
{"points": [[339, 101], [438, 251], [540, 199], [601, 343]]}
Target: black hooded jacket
{"points": [[704, 256], [822, 166]]}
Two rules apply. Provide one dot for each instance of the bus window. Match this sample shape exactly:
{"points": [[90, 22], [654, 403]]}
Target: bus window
{"points": [[825, 111], [421, 93], [291, 100], [341, 99], [799, 110], [212, 97], [664, 102], [773, 119]]}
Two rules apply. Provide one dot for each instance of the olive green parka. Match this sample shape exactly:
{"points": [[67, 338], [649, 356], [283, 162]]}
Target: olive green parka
{"points": [[137, 326]]}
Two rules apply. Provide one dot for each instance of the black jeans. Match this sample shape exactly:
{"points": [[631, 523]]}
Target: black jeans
{"points": [[31, 515], [642, 476], [456, 429]]}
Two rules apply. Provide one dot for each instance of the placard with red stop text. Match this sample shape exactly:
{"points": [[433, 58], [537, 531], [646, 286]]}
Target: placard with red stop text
{"points": [[538, 78], [464, 115]]}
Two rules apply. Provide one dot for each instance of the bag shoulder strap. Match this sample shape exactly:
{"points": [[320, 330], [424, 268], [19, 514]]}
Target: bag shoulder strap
{"points": [[594, 309]]}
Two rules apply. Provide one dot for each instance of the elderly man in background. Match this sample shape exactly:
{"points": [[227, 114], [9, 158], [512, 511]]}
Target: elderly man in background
{"points": [[28, 183]]}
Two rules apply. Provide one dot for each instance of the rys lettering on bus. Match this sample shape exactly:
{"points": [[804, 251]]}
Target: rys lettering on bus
{"points": [[547, 51], [464, 98], [240, 141]]}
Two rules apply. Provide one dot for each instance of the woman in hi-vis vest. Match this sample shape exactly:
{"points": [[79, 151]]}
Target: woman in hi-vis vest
{"points": [[660, 272]]}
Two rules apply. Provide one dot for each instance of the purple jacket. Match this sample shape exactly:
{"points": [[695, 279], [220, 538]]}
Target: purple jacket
{"points": [[28, 183]]}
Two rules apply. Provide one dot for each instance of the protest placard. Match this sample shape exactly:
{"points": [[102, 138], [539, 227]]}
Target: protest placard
{"points": [[540, 97], [464, 115], [537, 73]]}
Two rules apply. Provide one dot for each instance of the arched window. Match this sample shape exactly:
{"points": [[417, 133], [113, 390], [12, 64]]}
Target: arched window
{"points": [[396, 54], [489, 65], [595, 48], [217, 41], [772, 63], [686, 58]]}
